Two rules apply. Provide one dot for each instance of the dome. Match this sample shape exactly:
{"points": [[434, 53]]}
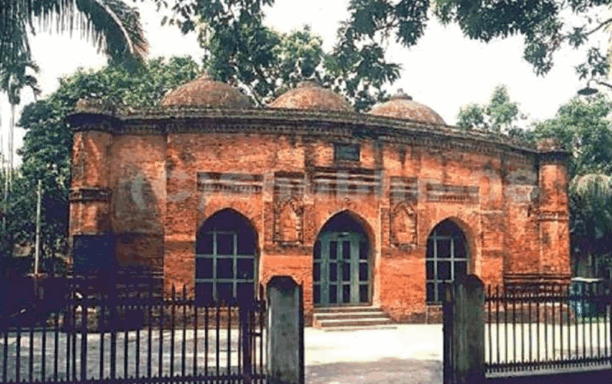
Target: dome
{"points": [[308, 95], [401, 106], [206, 92]]}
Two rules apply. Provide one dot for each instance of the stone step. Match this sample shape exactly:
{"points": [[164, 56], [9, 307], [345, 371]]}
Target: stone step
{"points": [[359, 328], [323, 324], [350, 318], [356, 308], [349, 315]]}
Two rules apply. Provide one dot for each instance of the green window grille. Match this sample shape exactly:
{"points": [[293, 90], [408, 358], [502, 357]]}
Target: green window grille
{"points": [[446, 259], [225, 261]]}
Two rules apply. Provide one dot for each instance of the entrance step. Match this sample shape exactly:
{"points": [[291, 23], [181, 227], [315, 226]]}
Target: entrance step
{"points": [[350, 318]]}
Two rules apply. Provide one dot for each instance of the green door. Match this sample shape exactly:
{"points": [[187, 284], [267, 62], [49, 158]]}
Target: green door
{"points": [[341, 273]]}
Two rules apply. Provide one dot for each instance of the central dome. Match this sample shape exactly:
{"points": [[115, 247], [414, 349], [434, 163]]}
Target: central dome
{"points": [[206, 92], [401, 106], [310, 96]]}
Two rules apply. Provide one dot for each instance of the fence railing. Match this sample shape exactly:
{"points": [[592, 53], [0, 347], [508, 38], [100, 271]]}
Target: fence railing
{"points": [[547, 328], [135, 337]]}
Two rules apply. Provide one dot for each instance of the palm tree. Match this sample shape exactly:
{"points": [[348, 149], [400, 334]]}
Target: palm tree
{"points": [[13, 78], [111, 25]]}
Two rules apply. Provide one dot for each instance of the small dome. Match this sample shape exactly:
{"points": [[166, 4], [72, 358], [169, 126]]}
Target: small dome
{"points": [[401, 106], [206, 92], [308, 95]]}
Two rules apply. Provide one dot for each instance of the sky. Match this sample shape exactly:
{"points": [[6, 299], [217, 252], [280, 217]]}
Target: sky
{"points": [[444, 70]]}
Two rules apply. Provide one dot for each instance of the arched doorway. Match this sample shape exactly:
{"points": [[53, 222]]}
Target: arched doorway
{"points": [[446, 259], [226, 263], [341, 263]]}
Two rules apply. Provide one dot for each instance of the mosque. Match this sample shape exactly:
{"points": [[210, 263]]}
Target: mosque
{"points": [[377, 209]]}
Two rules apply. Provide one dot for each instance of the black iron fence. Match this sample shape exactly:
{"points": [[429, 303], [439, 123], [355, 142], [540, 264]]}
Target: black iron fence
{"points": [[547, 328], [134, 336]]}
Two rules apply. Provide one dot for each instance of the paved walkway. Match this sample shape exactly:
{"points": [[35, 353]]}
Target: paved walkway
{"points": [[408, 354]]}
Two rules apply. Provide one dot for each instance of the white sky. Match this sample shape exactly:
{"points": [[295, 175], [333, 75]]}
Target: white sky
{"points": [[444, 71]]}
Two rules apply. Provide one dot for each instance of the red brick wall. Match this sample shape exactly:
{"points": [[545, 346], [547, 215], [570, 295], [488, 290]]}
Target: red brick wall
{"points": [[554, 212], [138, 179], [158, 206], [90, 159], [90, 171]]}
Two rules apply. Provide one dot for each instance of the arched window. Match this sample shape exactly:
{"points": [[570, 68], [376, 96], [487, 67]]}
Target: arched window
{"points": [[446, 259], [225, 258]]}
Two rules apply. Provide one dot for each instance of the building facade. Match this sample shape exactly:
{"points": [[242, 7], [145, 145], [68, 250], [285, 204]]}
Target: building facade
{"points": [[379, 209]]}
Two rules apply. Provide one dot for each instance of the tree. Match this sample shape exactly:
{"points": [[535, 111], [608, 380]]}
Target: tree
{"points": [[500, 115], [240, 50], [47, 145], [583, 127], [111, 25], [591, 223], [545, 26], [268, 62], [14, 77]]}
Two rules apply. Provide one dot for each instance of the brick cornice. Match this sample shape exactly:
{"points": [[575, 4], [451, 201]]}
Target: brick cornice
{"points": [[331, 124], [554, 157]]}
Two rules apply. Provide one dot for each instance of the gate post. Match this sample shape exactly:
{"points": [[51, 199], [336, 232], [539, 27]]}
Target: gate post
{"points": [[285, 333], [447, 336], [467, 340]]}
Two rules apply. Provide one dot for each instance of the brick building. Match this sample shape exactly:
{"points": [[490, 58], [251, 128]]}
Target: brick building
{"points": [[379, 208]]}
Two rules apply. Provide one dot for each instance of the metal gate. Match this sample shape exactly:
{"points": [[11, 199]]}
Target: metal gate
{"points": [[542, 332], [135, 336]]}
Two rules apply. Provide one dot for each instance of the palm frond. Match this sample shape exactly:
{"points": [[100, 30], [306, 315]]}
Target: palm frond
{"points": [[14, 77], [596, 187], [112, 26], [591, 199], [14, 21]]}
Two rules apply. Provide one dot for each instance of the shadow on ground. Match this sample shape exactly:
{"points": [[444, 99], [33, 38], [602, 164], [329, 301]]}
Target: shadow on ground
{"points": [[387, 370]]}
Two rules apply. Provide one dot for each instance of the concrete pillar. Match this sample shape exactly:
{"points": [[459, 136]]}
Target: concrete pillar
{"points": [[464, 332], [285, 330]]}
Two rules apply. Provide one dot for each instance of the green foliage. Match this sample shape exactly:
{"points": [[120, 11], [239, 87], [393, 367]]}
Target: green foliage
{"points": [[583, 127], [267, 64], [591, 220], [374, 19], [499, 115], [48, 141], [359, 72], [14, 76], [546, 26], [240, 50], [472, 116]]}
